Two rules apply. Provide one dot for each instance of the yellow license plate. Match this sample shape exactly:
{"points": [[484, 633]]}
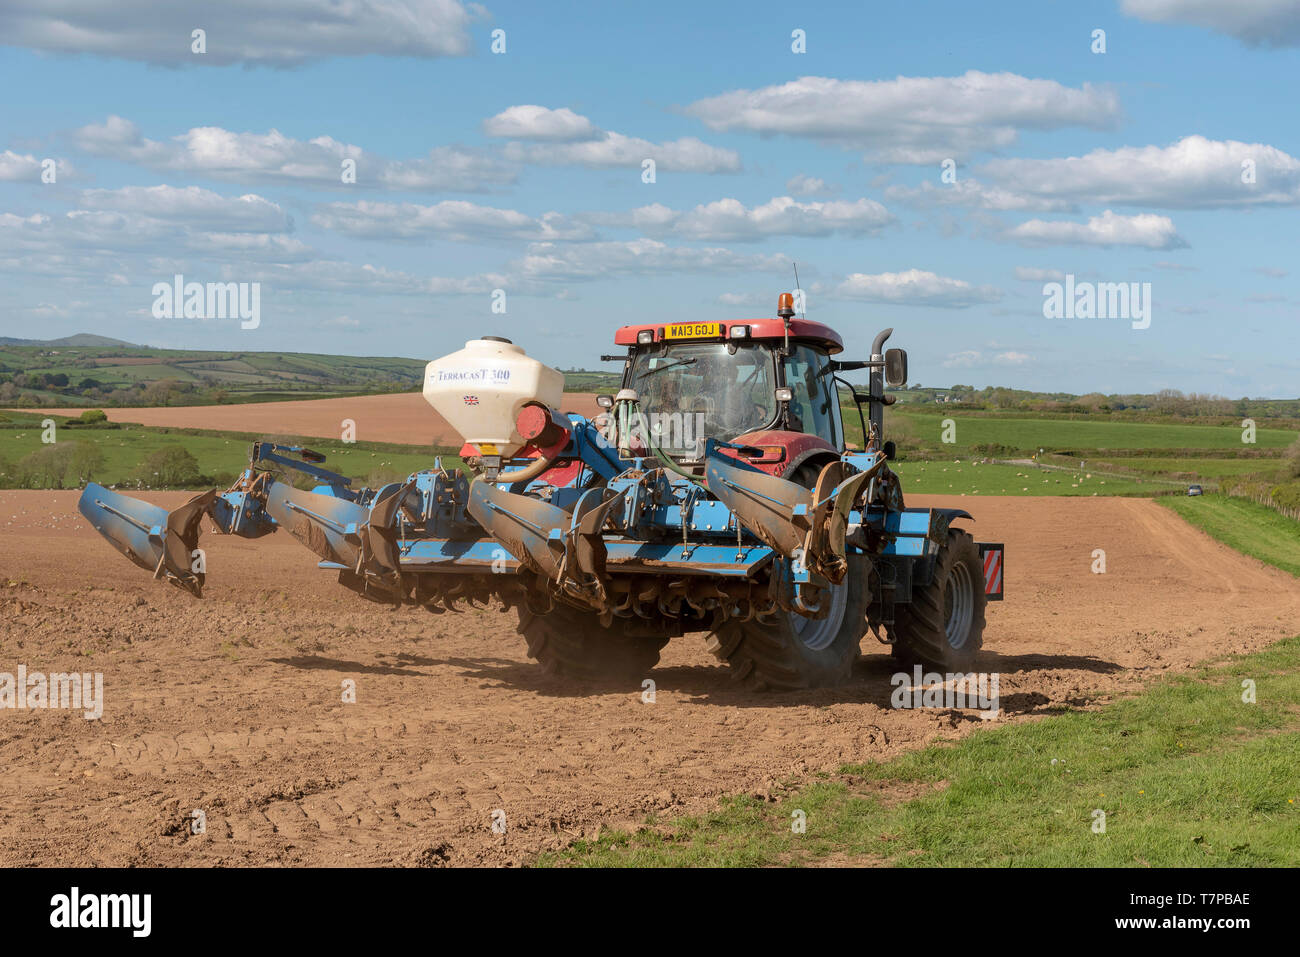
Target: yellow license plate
{"points": [[693, 330]]}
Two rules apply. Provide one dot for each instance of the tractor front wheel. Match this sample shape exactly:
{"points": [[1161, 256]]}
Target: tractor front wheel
{"points": [[572, 643], [790, 652], [943, 625]]}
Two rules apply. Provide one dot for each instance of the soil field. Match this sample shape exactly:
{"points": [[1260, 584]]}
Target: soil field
{"points": [[402, 417], [232, 705]]}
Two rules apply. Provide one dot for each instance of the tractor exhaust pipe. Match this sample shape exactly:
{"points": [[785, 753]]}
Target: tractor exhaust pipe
{"points": [[877, 388]]}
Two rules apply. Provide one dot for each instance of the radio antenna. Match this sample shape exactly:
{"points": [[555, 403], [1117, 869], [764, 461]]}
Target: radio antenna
{"points": [[803, 313]]}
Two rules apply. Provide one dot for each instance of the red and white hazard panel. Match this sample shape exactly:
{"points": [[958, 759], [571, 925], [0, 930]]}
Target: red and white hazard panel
{"points": [[991, 557]]}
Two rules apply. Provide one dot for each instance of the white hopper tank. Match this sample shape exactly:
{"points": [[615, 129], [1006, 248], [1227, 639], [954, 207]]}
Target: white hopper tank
{"points": [[480, 390]]}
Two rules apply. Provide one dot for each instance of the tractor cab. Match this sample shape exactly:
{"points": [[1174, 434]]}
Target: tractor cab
{"points": [[767, 384]]}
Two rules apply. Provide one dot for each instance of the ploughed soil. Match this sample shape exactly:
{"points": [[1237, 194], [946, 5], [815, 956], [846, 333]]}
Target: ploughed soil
{"points": [[232, 705], [401, 417]]}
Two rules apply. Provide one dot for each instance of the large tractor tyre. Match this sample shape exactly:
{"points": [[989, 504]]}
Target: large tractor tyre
{"points": [[943, 625], [571, 643], [790, 652]]}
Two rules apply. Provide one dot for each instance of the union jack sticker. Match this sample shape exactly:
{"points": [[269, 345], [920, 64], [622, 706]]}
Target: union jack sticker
{"points": [[991, 557], [471, 400]]}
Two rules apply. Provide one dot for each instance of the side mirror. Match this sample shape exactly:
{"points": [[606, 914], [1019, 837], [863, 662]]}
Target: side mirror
{"points": [[890, 450], [605, 401], [895, 368]]}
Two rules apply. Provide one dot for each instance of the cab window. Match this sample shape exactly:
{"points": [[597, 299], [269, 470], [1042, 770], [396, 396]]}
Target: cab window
{"points": [[813, 407], [704, 389]]}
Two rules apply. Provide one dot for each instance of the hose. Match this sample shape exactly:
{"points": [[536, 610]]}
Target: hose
{"points": [[669, 462], [525, 474]]}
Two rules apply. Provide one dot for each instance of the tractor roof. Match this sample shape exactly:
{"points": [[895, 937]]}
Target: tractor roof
{"points": [[803, 329]]}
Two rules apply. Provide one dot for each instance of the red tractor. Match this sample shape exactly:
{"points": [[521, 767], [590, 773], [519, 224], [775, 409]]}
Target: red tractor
{"points": [[715, 493]]}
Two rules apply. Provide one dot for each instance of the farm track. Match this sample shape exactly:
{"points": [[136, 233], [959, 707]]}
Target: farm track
{"points": [[232, 704]]}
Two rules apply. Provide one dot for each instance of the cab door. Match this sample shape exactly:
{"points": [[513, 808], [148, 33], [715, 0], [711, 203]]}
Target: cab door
{"points": [[814, 403]]}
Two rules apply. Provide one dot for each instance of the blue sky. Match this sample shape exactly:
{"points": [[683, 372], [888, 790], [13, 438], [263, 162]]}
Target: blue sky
{"points": [[522, 171]]}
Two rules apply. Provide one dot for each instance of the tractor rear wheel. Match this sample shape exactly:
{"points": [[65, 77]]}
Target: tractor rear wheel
{"points": [[791, 652], [572, 643], [943, 625]]}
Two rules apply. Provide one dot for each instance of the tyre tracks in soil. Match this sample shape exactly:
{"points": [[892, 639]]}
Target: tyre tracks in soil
{"points": [[232, 705]]}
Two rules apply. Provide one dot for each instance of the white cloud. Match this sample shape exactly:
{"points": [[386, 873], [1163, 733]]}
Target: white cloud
{"points": [[527, 122], [911, 119], [1193, 173], [1033, 274], [563, 138], [536, 273], [451, 219], [1108, 229], [731, 221], [263, 247], [613, 150], [446, 169], [1273, 23], [974, 359], [655, 218], [48, 310], [273, 157], [801, 185], [975, 195], [963, 360], [192, 205], [742, 299], [100, 239], [915, 287], [239, 31], [1011, 358], [20, 167], [548, 261], [367, 279]]}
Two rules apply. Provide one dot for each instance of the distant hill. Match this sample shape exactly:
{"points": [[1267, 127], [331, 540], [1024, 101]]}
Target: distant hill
{"points": [[89, 370], [80, 339]]}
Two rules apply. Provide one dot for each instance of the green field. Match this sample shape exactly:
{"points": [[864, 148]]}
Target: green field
{"points": [[1114, 453], [1203, 467], [584, 380], [970, 477], [943, 469], [220, 455], [1029, 433], [1187, 773], [1253, 529]]}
